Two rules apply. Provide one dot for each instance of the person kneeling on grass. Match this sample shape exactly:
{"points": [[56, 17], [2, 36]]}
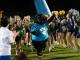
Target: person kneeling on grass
{"points": [[39, 32], [6, 38]]}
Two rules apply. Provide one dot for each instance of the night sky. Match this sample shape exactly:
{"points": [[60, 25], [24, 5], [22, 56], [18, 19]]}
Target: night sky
{"points": [[27, 6]]}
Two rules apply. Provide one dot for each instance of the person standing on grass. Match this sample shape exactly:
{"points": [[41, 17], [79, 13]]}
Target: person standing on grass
{"points": [[52, 31], [39, 33], [6, 39], [26, 21], [72, 28], [19, 32]]}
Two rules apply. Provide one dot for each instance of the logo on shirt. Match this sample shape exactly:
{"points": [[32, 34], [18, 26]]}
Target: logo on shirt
{"points": [[43, 30]]}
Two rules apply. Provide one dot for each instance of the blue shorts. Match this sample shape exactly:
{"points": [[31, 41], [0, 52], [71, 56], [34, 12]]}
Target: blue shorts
{"points": [[8, 57], [59, 30], [75, 32], [78, 35]]}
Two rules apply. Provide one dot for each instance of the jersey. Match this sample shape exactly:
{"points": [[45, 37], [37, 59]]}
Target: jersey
{"points": [[42, 29]]}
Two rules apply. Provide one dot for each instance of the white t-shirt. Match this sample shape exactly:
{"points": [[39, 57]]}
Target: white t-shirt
{"points": [[6, 38]]}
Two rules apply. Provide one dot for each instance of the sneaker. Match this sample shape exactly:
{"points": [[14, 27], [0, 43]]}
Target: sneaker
{"points": [[40, 57], [64, 45], [50, 48], [29, 43], [32, 48], [16, 52], [57, 43]]}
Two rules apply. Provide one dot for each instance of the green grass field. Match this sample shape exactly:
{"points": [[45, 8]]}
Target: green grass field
{"points": [[57, 53]]}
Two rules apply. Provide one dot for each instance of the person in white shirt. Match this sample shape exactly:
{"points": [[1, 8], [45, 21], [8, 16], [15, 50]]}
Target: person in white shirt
{"points": [[6, 39]]}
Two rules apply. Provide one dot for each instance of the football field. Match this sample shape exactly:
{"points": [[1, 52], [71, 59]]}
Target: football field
{"points": [[57, 53]]}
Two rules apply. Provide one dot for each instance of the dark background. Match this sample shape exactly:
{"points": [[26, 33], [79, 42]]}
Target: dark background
{"points": [[25, 7]]}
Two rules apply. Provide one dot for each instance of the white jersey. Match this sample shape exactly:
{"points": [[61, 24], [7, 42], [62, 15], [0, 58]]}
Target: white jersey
{"points": [[6, 38]]}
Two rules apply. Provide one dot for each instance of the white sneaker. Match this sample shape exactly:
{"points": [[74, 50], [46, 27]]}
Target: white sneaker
{"points": [[16, 52], [56, 42], [40, 57], [29, 43], [50, 48]]}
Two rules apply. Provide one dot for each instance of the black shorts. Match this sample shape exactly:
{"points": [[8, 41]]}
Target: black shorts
{"points": [[18, 39], [27, 30], [39, 44]]}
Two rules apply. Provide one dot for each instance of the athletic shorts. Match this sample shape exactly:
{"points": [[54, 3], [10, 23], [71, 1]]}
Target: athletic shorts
{"points": [[70, 27], [5, 57], [72, 30], [59, 30], [78, 35], [18, 39], [39, 44], [76, 32], [27, 30]]}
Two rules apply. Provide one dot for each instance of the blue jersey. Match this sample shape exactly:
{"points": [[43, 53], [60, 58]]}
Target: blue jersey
{"points": [[42, 30]]}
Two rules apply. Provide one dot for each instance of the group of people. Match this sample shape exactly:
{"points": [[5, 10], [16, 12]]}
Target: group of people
{"points": [[41, 31]]}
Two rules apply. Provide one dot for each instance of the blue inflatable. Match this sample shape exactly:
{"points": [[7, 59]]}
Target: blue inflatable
{"points": [[42, 7]]}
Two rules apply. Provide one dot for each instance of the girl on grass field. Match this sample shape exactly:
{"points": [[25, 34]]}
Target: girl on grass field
{"points": [[20, 33], [71, 25], [63, 27], [26, 21], [52, 31]]}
